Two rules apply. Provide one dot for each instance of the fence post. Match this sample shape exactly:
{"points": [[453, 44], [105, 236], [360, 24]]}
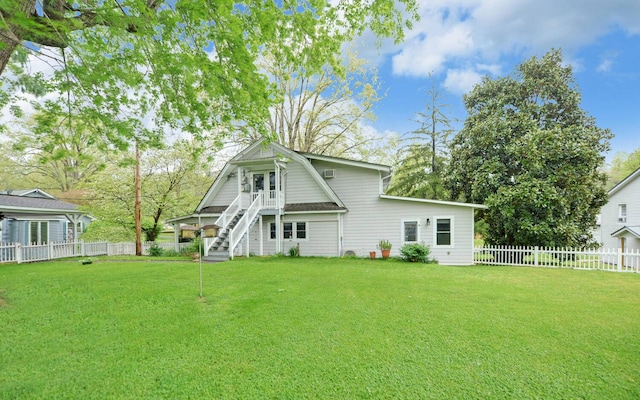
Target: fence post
{"points": [[50, 251], [619, 259], [18, 251], [83, 251], [535, 256]]}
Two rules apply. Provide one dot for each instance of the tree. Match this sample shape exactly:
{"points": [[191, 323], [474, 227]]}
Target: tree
{"points": [[190, 63], [530, 153], [622, 165], [422, 167], [320, 113], [172, 180], [58, 150]]}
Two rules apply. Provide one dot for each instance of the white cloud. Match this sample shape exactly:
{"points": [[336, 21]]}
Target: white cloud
{"points": [[605, 65], [487, 31], [461, 81]]}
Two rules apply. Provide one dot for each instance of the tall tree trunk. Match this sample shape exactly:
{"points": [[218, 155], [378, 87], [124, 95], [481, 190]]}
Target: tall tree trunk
{"points": [[138, 204], [11, 37]]}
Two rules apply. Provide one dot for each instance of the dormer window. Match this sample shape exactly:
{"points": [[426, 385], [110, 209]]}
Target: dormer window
{"points": [[622, 213]]}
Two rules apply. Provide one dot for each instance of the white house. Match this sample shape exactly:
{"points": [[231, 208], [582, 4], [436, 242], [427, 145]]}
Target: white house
{"points": [[268, 199], [620, 217], [34, 216]]}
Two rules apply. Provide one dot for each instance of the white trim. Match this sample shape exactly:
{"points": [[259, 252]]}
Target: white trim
{"points": [[451, 232], [622, 219], [344, 161], [39, 240], [429, 201], [294, 230], [402, 232]]}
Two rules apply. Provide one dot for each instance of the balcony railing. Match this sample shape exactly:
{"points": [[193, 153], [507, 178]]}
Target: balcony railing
{"points": [[271, 199]]}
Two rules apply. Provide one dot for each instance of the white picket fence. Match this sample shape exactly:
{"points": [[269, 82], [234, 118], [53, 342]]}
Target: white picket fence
{"points": [[594, 259], [19, 253]]}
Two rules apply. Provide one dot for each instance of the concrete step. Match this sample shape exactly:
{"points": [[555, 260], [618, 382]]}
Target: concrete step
{"points": [[216, 256]]}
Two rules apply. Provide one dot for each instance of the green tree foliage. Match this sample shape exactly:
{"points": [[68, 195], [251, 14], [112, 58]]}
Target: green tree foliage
{"points": [[530, 153], [322, 113], [423, 160], [622, 165], [185, 64], [58, 150], [173, 181]]}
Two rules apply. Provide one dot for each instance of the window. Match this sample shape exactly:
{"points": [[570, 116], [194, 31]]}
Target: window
{"points": [[410, 229], [272, 231], [39, 232], [622, 213], [290, 230], [443, 231], [301, 230], [287, 230]]}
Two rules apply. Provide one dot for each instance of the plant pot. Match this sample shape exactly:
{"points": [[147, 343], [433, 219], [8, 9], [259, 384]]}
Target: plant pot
{"points": [[385, 253], [372, 254]]}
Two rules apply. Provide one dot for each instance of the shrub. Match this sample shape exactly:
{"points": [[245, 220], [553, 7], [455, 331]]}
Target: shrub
{"points": [[171, 253], [415, 253], [193, 247], [294, 252], [155, 250]]}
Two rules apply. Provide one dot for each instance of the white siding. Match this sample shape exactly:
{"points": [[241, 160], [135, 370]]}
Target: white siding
{"points": [[629, 195], [300, 187], [226, 194], [370, 218], [322, 235]]}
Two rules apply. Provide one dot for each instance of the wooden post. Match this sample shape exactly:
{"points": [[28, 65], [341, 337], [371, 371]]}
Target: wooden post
{"points": [[138, 203]]}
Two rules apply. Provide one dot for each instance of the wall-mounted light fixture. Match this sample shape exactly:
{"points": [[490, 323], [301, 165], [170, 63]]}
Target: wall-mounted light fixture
{"points": [[428, 222], [231, 175]]}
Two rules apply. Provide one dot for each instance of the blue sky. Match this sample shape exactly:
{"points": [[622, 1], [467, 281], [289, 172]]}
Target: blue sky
{"points": [[459, 41]]}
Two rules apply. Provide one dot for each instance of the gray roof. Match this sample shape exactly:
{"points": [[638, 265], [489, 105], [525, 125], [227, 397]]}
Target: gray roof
{"points": [[634, 230], [322, 206], [34, 203], [319, 206]]}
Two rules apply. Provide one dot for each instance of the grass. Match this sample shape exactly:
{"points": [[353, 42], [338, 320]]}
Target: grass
{"points": [[316, 328]]}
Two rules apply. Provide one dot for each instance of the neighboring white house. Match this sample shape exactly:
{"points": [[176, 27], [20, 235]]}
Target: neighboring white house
{"points": [[620, 217], [324, 205], [34, 216]]}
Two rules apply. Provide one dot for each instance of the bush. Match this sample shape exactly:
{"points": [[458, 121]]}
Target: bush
{"points": [[155, 250], [415, 253], [193, 247], [294, 252], [171, 253]]}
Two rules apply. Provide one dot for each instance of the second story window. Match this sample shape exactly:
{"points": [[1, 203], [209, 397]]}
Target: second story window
{"points": [[622, 213]]}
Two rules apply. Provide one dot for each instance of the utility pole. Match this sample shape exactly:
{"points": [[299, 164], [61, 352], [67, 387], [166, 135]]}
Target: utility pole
{"points": [[138, 203]]}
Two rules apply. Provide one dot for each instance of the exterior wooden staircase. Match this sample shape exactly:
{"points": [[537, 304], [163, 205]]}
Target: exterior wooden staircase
{"points": [[235, 224]]}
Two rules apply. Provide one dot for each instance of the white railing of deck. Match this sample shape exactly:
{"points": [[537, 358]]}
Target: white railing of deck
{"points": [[271, 199], [597, 259]]}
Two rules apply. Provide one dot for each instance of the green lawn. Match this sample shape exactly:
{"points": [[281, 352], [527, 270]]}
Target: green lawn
{"points": [[316, 329]]}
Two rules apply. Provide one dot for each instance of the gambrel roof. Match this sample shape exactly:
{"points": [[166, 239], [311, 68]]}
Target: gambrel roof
{"points": [[283, 156]]}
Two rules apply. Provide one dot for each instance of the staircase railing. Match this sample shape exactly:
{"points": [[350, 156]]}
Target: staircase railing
{"points": [[244, 224], [227, 215], [226, 218]]}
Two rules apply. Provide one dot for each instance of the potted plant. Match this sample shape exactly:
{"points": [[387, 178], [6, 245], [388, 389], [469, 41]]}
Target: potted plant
{"points": [[372, 255], [385, 248]]}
